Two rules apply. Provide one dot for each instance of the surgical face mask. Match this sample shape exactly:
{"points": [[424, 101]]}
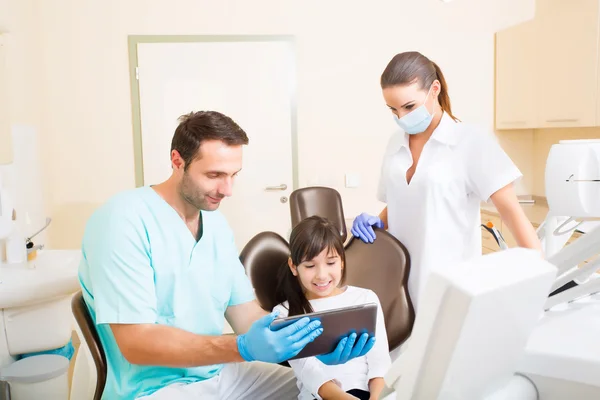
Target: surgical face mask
{"points": [[417, 120]]}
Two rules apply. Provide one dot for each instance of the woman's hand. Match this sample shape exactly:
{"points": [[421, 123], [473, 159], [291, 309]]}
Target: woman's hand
{"points": [[362, 227]]}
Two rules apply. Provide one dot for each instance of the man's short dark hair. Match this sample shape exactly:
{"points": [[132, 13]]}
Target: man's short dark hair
{"points": [[197, 127]]}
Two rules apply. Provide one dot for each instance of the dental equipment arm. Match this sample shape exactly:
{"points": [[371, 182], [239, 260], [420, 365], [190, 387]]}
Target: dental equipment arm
{"points": [[573, 195], [587, 246]]}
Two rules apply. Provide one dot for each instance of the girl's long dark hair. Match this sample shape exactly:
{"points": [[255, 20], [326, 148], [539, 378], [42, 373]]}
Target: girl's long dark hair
{"points": [[307, 240]]}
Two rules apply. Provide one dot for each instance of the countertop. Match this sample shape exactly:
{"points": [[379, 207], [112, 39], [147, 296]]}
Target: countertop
{"points": [[536, 212]]}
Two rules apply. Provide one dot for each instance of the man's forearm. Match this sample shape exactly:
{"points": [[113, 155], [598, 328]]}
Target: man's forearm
{"points": [[151, 344]]}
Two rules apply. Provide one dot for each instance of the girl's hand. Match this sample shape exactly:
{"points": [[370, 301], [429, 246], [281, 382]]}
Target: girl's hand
{"points": [[348, 348]]}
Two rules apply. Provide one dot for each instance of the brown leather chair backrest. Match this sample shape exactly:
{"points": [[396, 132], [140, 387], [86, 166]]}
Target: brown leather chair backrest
{"points": [[90, 335], [317, 200], [262, 258], [383, 267]]}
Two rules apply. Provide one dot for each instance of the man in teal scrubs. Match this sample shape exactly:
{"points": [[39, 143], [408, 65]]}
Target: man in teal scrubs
{"points": [[160, 271]]}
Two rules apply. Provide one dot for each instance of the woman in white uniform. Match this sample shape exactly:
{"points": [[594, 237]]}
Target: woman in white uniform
{"points": [[435, 172]]}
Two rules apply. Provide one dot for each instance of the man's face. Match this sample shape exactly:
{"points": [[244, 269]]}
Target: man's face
{"points": [[209, 178]]}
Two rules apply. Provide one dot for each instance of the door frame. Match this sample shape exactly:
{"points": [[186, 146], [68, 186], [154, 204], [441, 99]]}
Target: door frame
{"points": [[134, 40]]}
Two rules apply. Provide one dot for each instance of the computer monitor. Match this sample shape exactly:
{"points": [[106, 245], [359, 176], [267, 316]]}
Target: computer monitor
{"points": [[472, 326]]}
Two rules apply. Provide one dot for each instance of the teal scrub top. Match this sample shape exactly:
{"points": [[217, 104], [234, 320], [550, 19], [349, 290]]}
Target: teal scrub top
{"points": [[141, 265]]}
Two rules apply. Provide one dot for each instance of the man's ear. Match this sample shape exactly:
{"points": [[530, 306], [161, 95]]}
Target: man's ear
{"points": [[293, 268], [176, 160]]}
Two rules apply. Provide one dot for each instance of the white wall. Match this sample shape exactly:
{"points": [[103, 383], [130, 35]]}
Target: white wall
{"points": [[25, 93], [342, 49]]}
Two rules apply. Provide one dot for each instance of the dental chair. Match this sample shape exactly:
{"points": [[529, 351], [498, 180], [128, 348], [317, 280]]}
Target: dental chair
{"points": [[382, 266], [88, 329]]}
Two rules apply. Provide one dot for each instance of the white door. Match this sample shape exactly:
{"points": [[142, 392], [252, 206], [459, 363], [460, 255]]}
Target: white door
{"points": [[250, 81]]}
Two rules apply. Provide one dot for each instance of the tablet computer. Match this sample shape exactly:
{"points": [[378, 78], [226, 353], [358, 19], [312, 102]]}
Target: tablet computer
{"points": [[336, 323]]}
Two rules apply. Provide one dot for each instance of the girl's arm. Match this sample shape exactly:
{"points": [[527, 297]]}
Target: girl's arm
{"points": [[512, 214], [375, 387], [331, 391]]}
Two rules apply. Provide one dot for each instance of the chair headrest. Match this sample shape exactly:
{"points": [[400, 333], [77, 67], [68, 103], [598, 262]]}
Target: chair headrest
{"points": [[317, 200]]}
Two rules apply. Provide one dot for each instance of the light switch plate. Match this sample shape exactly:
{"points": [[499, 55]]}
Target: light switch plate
{"points": [[352, 180]]}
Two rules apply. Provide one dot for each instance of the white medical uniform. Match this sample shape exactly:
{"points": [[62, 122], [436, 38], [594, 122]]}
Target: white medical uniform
{"points": [[437, 215], [141, 265]]}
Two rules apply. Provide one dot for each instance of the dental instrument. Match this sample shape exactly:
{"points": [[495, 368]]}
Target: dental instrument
{"points": [[489, 226]]}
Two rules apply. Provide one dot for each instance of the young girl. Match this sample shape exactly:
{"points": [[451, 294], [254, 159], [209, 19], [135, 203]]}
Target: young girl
{"points": [[313, 281]]}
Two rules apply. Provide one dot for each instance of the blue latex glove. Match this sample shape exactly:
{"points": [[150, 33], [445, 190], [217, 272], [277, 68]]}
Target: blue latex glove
{"points": [[346, 350], [260, 343], [362, 227]]}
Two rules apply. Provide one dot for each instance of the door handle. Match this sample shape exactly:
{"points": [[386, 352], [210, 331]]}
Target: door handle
{"points": [[283, 186]]}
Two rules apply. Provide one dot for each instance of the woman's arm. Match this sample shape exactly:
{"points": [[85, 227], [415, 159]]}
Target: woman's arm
{"points": [[383, 216], [514, 217], [375, 387]]}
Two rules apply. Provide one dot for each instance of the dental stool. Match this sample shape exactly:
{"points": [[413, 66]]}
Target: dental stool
{"points": [[36, 377], [382, 266]]}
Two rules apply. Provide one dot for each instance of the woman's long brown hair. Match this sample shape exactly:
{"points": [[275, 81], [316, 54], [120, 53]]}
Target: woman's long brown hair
{"points": [[412, 66]]}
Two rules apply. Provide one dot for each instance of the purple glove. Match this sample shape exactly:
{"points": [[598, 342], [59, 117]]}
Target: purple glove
{"points": [[362, 227]]}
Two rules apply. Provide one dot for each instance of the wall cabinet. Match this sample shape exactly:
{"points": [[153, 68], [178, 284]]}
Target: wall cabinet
{"points": [[567, 44], [515, 77], [547, 69]]}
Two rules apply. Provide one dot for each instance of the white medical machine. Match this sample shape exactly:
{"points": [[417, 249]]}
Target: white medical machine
{"points": [[488, 330]]}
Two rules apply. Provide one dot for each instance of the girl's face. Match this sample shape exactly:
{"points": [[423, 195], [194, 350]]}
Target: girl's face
{"points": [[320, 276]]}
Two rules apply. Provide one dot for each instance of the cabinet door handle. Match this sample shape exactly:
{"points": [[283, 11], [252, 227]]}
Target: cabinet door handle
{"points": [[563, 120], [513, 122]]}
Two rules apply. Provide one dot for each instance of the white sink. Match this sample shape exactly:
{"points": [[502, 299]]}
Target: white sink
{"points": [[53, 274], [35, 303]]}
